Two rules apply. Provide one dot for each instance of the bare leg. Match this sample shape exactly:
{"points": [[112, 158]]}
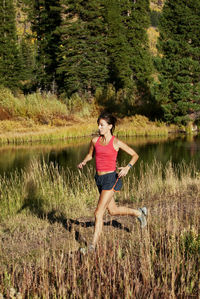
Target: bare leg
{"points": [[104, 200], [115, 210]]}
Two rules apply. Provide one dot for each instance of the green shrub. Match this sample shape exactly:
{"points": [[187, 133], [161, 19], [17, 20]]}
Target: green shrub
{"points": [[33, 105], [190, 240]]}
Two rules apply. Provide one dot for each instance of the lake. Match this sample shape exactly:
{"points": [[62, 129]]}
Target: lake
{"points": [[67, 154]]}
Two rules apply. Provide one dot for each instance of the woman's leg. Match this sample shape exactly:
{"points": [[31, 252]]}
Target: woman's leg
{"points": [[140, 213], [104, 200], [115, 210]]}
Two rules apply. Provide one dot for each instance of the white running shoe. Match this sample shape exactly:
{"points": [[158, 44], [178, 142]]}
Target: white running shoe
{"points": [[142, 218], [85, 250]]}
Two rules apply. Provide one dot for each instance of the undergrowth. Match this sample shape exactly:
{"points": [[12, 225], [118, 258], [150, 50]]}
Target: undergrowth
{"points": [[47, 214]]}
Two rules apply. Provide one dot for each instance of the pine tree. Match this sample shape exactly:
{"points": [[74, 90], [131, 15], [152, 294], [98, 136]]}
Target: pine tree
{"points": [[27, 56], [118, 46], [83, 57], [45, 16], [137, 22], [10, 64], [128, 47], [26, 44], [178, 92]]}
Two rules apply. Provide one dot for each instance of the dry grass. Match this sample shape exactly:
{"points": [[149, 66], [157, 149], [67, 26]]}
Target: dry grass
{"points": [[139, 125], [47, 214], [43, 117], [13, 132], [153, 35], [157, 5], [36, 106], [19, 132]]}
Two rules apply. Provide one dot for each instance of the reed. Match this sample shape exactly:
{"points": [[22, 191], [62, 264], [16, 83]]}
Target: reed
{"points": [[38, 106], [46, 133], [47, 214], [15, 132], [139, 125], [44, 117]]}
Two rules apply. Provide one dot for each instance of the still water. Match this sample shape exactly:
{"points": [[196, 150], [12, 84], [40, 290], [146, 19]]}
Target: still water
{"points": [[67, 154]]}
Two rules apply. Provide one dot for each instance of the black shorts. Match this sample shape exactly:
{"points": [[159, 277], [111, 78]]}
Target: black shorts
{"points": [[108, 181]]}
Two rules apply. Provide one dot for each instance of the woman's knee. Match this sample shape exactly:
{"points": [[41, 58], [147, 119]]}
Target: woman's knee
{"points": [[98, 214], [112, 212]]}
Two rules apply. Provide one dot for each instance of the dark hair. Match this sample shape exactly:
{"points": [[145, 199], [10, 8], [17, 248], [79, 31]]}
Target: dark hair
{"points": [[109, 118]]}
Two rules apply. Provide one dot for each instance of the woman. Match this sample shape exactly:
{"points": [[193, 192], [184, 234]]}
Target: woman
{"points": [[106, 148]]}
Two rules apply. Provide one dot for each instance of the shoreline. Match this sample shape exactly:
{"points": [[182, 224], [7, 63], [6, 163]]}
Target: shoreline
{"points": [[26, 131]]}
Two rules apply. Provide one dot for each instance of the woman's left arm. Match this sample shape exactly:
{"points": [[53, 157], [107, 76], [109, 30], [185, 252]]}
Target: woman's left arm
{"points": [[131, 152]]}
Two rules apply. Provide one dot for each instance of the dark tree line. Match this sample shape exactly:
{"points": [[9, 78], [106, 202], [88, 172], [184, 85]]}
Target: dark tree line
{"points": [[80, 46], [178, 91]]}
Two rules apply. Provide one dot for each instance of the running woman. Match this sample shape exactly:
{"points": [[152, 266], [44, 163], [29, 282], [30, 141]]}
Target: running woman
{"points": [[106, 148]]}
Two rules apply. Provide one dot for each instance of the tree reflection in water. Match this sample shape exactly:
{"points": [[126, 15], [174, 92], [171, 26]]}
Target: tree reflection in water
{"points": [[67, 154]]}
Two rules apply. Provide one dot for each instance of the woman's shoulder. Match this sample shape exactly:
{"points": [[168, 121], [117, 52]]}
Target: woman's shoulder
{"points": [[116, 143], [94, 139], [116, 140]]}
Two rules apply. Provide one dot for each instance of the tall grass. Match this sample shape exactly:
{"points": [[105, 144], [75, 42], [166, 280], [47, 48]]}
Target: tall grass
{"points": [[46, 208], [45, 108], [139, 125], [28, 131], [37, 106], [36, 133], [44, 117]]}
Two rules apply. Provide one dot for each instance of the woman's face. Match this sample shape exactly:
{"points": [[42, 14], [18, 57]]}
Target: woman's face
{"points": [[104, 127]]}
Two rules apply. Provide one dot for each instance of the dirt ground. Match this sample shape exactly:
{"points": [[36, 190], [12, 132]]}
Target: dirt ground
{"points": [[29, 237]]}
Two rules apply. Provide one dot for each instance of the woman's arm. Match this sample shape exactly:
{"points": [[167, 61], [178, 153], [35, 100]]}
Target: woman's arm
{"points": [[131, 152], [89, 156]]}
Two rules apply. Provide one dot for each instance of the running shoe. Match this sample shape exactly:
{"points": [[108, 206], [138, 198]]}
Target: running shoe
{"points": [[85, 250], [142, 218]]}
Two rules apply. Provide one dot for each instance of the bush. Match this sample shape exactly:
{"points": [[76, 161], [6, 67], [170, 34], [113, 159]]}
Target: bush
{"points": [[81, 106], [36, 105], [190, 240]]}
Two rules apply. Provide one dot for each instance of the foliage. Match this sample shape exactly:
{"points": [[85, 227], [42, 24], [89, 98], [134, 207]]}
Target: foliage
{"points": [[10, 64], [50, 210], [117, 45], [81, 106], [45, 17], [141, 65], [154, 17], [82, 60], [35, 106], [88, 48], [27, 63], [179, 89], [100, 46], [190, 242]]}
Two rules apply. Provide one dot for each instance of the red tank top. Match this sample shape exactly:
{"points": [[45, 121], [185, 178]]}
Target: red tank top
{"points": [[105, 156]]}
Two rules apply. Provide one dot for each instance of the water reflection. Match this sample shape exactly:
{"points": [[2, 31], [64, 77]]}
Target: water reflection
{"points": [[68, 154]]}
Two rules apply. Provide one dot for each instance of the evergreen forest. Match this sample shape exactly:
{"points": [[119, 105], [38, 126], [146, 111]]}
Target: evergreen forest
{"points": [[96, 47]]}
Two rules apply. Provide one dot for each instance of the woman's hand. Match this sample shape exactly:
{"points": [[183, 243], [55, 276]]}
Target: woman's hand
{"points": [[80, 165], [123, 171]]}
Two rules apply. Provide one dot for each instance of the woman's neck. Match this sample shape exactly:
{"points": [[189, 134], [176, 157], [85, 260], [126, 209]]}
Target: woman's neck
{"points": [[106, 138]]}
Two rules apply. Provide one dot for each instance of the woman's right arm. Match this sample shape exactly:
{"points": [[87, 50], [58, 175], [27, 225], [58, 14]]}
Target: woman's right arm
{"points": [[89, 156]]}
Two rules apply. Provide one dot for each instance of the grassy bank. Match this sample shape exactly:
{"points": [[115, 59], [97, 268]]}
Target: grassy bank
{"points": [[44, 117], [47, 214], [22, 132]]}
